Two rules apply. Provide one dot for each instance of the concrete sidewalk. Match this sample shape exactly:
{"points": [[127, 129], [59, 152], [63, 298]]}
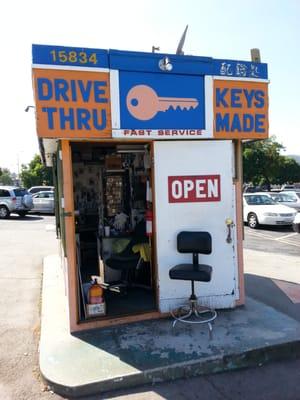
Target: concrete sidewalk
{"points": [[153, 351]]}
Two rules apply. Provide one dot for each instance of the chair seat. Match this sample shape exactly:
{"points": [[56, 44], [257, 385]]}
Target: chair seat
{"points": [[191, 272]]}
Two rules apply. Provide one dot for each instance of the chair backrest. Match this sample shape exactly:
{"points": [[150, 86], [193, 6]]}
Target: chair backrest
{"points": [[194, 242]]}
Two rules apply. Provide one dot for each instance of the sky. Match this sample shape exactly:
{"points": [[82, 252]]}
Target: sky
{"points": [[217, 28]]}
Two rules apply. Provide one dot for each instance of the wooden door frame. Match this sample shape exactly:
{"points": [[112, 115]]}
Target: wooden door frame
{"points": [[72, 279]]}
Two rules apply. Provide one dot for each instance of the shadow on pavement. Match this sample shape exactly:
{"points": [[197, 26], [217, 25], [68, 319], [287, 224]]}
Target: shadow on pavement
{"points": [[29, 218], [273, 228], [266, 291]]}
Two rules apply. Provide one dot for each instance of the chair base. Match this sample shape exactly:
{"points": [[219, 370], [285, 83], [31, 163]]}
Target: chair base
{"points": [[193, 313]]}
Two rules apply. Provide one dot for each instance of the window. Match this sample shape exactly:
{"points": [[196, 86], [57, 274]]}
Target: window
{"points": [[288, 198], [20, 192], [4, 193], [36, 189], [259, 200], [45, 195]]}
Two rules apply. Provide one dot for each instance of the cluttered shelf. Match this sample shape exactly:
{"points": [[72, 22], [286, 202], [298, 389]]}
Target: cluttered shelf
{"points": [[111, 197]]}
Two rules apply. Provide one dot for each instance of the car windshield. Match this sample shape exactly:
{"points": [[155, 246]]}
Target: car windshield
{"points": [[259, 199], [284, 197], [20, 192], [287, 197], [294, 195]]}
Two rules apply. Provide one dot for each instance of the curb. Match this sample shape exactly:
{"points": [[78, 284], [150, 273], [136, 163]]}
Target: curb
{"points": [[230, 362]]}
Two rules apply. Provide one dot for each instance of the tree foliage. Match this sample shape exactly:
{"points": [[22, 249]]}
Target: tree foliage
{"points": [[35, 173], [264, 165], [289, 170], [5, 177]]}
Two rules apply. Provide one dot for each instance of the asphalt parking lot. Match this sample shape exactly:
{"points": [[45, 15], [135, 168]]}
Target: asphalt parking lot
{"points": [[25, 241], [24, 244], [273, 239]]}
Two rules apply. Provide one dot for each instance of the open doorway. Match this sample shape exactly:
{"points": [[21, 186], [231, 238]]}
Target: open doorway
{"points": [[112, 199]]}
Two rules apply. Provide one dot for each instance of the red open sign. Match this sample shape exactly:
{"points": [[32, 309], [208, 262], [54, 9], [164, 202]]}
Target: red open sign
{"points": [[194, 188]]}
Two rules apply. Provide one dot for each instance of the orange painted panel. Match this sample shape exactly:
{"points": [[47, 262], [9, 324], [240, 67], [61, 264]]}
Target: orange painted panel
{"points": [[72, 104], [240, 109]]}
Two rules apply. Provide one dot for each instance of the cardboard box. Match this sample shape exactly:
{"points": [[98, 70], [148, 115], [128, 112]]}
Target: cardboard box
{"points": [[113, 162]]}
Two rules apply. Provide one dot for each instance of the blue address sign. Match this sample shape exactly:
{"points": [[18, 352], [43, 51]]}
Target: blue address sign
{"points": [[69, 56]]}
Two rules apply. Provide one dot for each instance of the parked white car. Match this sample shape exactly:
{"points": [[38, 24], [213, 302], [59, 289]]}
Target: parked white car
{"points": [[260, 208], [289, 199]]}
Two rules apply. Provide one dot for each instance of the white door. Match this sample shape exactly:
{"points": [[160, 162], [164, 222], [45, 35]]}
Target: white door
{"points": [[194, 191]]}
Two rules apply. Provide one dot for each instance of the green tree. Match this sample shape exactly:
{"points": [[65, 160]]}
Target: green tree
{"points": [[289, 170], [35, 173], [264, 165], [5, 177], [262, 161]]}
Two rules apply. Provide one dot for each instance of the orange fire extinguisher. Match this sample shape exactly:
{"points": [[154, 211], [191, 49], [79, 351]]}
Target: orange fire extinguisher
{"points": [[95, 295], [149, 220]]}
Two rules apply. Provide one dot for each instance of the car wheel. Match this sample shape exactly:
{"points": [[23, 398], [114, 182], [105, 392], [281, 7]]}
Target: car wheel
{"points": [[4, 212], [22, 213], [252, 221]]}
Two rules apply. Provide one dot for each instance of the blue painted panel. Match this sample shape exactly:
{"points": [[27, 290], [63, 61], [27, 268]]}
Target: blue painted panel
{"points": [[74, 56], [134, 115], [148, 62], [187, 65], [240, 69], [145, 62]]}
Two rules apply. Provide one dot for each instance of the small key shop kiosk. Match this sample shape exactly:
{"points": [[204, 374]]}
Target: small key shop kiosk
{"points": [[144, 146]]}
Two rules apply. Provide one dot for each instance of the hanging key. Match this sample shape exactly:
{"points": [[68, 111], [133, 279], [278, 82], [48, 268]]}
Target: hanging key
{"points": [[143, 103]]}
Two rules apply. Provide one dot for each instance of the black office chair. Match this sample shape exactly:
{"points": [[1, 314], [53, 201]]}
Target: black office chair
{"points": [[195, 243], [127, 261]]}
